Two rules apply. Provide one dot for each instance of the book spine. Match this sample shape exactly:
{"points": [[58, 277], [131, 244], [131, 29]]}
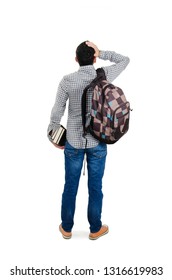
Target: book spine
{"points": [[61, 135], [54, 134], [58, 135]]}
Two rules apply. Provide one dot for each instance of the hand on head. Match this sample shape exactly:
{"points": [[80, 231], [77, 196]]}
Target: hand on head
{"points": [[92, 45]]}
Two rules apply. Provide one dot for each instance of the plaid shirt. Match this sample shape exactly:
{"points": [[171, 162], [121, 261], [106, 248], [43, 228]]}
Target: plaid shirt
{"points": [[71, 87]]}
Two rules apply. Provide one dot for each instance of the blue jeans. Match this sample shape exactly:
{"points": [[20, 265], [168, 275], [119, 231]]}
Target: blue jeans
{"points": [[96, 158]]}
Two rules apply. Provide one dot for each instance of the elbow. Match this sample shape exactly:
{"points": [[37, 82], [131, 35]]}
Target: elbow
{"points": [[127, 60]]}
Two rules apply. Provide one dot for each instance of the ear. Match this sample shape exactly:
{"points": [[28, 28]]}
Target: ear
{"points": [[94, 61], [76, 59]]}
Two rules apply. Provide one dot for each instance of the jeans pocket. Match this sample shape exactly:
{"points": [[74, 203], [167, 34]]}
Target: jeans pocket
{"points": [[70, 151], [100, 151]]}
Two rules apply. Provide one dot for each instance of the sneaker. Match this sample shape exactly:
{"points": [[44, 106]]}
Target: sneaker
{"points": [[65, 234], [104, 229]]}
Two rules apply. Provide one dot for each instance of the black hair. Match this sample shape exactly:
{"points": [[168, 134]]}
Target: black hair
{"points": [[85, 54]]}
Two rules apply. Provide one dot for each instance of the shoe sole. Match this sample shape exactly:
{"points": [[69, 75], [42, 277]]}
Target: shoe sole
{"points": [[94, 238], [66, 237]]}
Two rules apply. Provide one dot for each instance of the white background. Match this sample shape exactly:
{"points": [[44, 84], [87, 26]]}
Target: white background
{"points": [[38, 42]]}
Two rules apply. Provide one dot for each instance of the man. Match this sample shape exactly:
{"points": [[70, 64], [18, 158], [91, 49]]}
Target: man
{"points": [[71, 87]]}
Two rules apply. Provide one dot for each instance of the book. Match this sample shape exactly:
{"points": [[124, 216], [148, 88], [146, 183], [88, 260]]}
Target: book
{"points": [[58, 136]]}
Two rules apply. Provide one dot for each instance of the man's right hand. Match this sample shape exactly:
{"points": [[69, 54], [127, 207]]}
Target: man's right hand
{"points": [[92, 45]]}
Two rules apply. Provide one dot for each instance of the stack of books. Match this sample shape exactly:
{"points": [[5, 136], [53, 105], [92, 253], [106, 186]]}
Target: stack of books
{"points": [[59, 136]]}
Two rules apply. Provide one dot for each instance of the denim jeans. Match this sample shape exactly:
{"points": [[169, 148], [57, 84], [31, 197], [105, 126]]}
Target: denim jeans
{"points": [[96, 158]]}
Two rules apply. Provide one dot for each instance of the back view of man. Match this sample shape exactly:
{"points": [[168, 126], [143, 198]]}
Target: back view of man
{"points": [[71, 87]]}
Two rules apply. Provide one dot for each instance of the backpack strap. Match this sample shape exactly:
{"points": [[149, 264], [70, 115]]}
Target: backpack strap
{"points": [[100, 76], [83, 104]]}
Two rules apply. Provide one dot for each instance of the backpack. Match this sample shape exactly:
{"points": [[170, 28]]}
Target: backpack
{"points": [[109, 117]]}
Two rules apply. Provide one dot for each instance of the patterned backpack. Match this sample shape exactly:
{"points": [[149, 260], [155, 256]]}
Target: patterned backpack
{"points": [[109, 117]]}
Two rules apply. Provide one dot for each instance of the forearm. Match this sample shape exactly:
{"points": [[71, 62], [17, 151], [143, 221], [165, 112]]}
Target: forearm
{"points": [[113, 57], [58, 108], [55, 118], [114, 70]]}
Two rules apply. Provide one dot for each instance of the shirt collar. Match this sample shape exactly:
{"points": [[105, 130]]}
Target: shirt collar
{"points": [[87, 69]]}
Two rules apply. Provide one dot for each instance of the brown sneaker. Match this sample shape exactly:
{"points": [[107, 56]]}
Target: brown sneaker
{"points": [[65, 234], [104, 229]]}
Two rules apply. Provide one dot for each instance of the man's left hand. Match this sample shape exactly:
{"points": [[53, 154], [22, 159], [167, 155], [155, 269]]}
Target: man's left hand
{"points": [[59, 147]]}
